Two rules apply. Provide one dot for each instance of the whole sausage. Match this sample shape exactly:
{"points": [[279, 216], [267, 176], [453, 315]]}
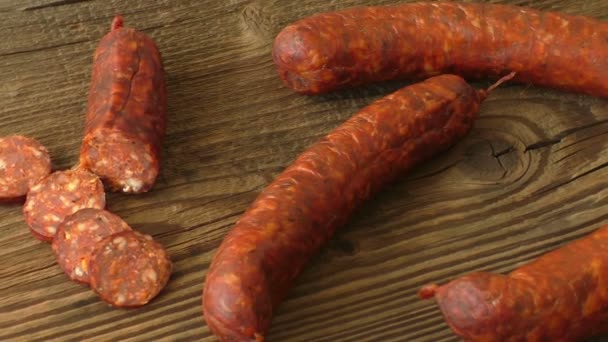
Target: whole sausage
{"points": [[562, 296], [362, 45], [126, 118], [257, 262]]}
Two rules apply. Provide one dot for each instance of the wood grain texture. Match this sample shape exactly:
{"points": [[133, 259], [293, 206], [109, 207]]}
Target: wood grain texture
{"points": [[529, 178]]}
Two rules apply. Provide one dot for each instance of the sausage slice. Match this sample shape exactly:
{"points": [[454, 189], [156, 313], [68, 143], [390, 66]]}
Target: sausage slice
{"points": [[23, 163], [59, 195], [128, 269], [77, 236]]}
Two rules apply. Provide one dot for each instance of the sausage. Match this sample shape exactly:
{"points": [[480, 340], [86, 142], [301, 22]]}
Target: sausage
{"points": [[77, 236], [561, 296], [361, 45], [59, 195], [126, 118], [128, 269], [256, 264], [23, 163]]}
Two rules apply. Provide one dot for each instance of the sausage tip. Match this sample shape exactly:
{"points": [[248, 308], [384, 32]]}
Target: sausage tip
{"points": [[501, 81], [118, 22], [484, 93], [428, 291]]}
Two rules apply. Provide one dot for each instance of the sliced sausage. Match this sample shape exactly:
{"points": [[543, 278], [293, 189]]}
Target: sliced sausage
{"points": [[23, 163], [362, 45], [77, 236], [259, 259], [126, 117], [128, 269], [59, 195]]}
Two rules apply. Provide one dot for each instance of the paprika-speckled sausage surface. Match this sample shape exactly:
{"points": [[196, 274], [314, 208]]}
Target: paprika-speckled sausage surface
{"points": [[562, 296], [126, 118], [23, 163], [361, 45], [77, 236], [300, 210], [59, 195]]}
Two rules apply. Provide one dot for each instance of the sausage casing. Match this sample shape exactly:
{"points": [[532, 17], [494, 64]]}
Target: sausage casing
{"points": [[362, 45], [126, 118], [562, 296], [256, 264]]}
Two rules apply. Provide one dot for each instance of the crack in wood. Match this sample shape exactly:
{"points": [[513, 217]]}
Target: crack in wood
{"points": [[54, 4], [559, 185], [581, 140], [500, 153], [542, 144], [435, 172], [567, 156], [12, 53], [560, 136], [504, 151]]}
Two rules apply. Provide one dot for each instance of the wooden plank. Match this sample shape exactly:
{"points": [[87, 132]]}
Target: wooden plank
{"points": [[529, 178]]}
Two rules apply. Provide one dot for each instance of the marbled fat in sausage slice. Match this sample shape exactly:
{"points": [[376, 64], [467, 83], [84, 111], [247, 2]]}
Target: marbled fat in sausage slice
{"points": [[127, 111], [23, 163], [77, 236], [59, 195], [561, 296], [128, 269], [362, 45]]}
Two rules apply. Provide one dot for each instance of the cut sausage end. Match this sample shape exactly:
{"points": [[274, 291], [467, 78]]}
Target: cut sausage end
{"points": [[126, 164]]}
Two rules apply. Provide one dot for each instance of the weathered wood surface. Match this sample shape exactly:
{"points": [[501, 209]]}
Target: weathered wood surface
{"points": [[529, 178]]}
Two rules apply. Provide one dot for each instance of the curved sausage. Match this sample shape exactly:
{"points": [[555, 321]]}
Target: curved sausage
{"points": [[128, 269], [562, 296], [23, 163], [362, 45], [126, 118], [76, 237], [256, 264], [59, 195]]}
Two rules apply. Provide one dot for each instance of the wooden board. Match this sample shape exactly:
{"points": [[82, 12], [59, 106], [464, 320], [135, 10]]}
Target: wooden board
{"points": [[530, 177]]}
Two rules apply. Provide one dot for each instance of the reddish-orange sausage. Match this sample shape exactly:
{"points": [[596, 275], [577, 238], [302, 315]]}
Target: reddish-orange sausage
{"points": [[300, 210], [561, 297], [360, 45], [126, 118]]}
